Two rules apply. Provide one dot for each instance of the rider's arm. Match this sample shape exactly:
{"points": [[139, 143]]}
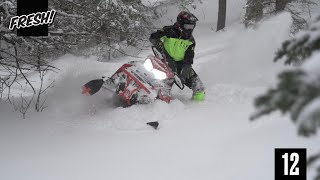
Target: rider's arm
{"points": [[188, 58], [188, 61], [155, 37]]}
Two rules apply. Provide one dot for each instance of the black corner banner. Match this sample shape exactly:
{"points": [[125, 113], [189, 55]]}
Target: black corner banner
{"points": [[25, 7], [290, 164]]}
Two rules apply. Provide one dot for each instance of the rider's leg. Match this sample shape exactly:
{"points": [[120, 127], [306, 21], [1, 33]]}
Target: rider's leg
{"points": [[194, 82]]}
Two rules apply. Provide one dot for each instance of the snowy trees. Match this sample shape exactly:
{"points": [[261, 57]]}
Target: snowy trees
{"points": [[299, 9], [298, 89], [184, 4], [19, 56], [302, 46], [105, 26], [254, 12]]}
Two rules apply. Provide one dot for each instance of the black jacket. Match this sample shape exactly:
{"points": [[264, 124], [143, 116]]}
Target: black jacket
{"points": [[174, 31]]}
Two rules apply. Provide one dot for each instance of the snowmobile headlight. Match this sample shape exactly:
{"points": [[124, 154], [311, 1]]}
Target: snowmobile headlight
{"points": [[159, 74], [148, 65]]}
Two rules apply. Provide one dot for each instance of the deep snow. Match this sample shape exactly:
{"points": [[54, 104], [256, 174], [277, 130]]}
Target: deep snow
{"points": [[84, 138]]}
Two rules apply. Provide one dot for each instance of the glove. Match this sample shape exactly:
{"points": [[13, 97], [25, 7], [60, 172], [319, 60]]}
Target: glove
{"points": [[184, 73]]}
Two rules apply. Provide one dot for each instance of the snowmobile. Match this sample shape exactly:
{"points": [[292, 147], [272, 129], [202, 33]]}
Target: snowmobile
{"points": [[138, 82]]}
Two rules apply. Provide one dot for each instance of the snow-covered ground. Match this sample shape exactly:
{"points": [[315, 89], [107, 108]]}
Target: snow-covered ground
{"points": [[85, 138]]}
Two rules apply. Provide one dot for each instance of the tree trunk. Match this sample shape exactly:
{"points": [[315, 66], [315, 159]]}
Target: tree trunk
{"points": [[222, 14], [108, 34]]}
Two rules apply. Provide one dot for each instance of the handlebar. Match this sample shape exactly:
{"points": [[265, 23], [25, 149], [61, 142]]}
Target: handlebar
{"points": [[155, 51]]}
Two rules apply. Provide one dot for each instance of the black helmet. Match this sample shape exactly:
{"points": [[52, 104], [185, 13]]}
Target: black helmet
{"points": [[185, 17], [186, 22]]}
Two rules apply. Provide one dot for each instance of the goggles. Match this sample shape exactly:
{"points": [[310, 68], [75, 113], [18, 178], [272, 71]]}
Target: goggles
{"points": [[189, 26]]}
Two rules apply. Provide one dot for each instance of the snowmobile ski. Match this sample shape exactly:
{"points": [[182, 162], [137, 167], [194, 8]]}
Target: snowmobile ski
{"points": [[92, 87]]}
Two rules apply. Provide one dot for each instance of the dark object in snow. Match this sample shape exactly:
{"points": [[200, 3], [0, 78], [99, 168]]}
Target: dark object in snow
{"points": [[92, 87], [154, 124]]}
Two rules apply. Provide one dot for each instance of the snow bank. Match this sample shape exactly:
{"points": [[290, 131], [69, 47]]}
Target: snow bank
{"points": [[249, 58]]}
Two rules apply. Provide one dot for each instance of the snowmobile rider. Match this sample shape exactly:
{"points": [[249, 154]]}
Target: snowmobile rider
{"points": [[177, 44]]}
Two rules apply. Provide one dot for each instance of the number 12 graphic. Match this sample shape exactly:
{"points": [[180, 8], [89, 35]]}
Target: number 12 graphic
{"points": [[290, 164], [294, 157]]}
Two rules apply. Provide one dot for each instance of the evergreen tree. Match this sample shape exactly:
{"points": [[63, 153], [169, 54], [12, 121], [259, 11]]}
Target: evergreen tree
{"points": [[301, 46], [259, 9], [299, 87], [298, 90], [105, 26], [254, 12], [185, 4]]}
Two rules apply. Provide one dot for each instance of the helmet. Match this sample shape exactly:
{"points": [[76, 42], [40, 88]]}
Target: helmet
{"points": [[187, 20]]}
